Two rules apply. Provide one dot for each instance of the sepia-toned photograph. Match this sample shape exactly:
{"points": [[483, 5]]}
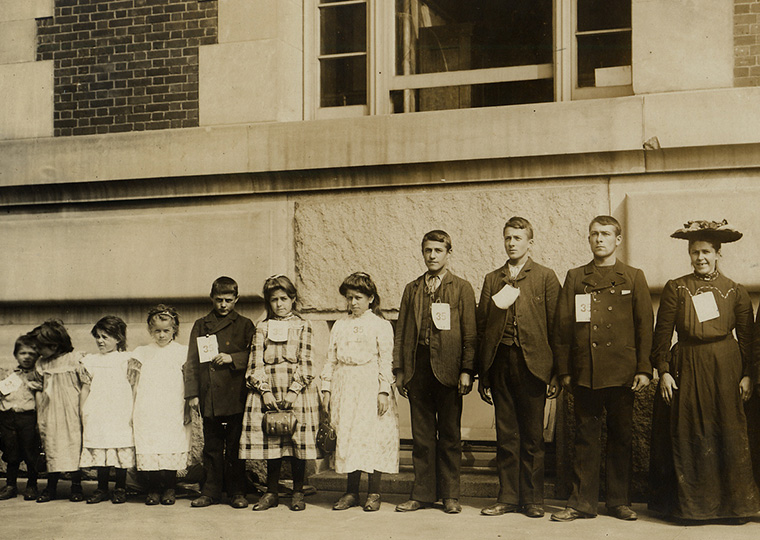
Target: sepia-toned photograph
{"points": [[382, 269]]}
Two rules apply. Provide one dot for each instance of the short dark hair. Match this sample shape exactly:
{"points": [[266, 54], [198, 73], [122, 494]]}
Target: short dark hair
{"points": [[23, 341], [278, 282], [362, 282], [607, 220], [224, 285], [114, 327], [437, 236], [162, 312], [52, 333], [517, 222]]}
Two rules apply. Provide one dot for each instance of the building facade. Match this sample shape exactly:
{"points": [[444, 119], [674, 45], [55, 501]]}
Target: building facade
{"points": [[148, 146]]}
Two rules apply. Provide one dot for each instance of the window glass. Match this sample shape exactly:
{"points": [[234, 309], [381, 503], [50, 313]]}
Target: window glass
{"points": [[447, 35], [602, 51], [343, 53], [343, 81], [603, 14], [343, 29]]}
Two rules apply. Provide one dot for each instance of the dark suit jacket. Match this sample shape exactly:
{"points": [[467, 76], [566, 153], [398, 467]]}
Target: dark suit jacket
{"points": [[615, 345], [221, 390], [451, 351], [534, 314]]}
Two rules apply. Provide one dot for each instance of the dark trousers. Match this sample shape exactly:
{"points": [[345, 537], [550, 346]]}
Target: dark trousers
{"points": [[519, 398], [589, 404], [20, 442], [224, 471], [436, 412]]}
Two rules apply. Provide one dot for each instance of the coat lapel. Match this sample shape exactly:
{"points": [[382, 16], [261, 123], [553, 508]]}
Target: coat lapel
{"points": [[214, 325], [595, 281]]}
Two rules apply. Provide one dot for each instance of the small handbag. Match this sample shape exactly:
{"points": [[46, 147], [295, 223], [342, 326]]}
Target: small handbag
{"points": [[279, 422], [326, 437]]}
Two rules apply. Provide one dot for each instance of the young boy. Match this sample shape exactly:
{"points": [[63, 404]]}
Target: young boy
{"points": [[217, 358], [433, 362], [515, 360], [603, 340], [18, 420]]}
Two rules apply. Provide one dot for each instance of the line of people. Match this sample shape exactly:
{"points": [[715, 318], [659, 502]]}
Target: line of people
{"points": [[525, 341]]}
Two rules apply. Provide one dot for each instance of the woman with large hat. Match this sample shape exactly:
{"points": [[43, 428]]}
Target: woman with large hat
{"points": [[700, 462]]}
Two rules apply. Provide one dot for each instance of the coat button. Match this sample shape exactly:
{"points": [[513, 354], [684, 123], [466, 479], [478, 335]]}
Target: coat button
{"points": [[594, 345], [612, 291], [609, 343], [609, 308], [609, 325], [596, 327]]}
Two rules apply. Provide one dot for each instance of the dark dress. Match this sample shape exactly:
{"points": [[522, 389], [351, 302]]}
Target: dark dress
{"points": [[700, 462]]}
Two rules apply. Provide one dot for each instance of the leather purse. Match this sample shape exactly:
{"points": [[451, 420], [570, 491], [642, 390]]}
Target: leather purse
{"points": [[326, 437], [279, 422]]}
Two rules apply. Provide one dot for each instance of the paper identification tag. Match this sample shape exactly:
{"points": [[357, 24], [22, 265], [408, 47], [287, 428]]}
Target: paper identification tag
{"points": [[506, 296], [705, 306], [208, 348], [277, 331], [441, 316], [10, 384], [583, 307]]}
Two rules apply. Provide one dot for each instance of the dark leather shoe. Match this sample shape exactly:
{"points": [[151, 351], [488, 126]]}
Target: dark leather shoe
{"points": [[623, 512], [570, 514], [203, 501], [267, 501], [372, 504], [498, 509], [119, 496], [31, 493], [451, 506], [168, 497], [152, 499], [76, 494], [46, 495], [98, 496], [239, 501], [410, 506], [533, 510], [8, 492], [348, 500], [297, 503]]}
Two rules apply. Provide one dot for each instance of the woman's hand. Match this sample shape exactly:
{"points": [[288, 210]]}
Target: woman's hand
{"points": [[270, 404], [667, 387], [326, 402], [290, 398], [383, 403], [745, 388]]}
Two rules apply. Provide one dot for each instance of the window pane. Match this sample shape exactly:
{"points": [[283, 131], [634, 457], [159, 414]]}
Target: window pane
{"points": [[471, 96], [448, 35], [603, 14], [343, 81], [343, 29], [602, 51]]}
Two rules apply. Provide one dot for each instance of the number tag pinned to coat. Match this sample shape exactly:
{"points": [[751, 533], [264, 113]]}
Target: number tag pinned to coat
{"points": [[277, 331], [208, 348], [583, 307], [441, 315], [705, 306], [506, 296], [10, 384]]}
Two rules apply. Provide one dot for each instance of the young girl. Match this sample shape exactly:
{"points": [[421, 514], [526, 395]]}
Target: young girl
{"points": [[357, 384], [280, 377], [107, 438], [65, 381], [162, 438]]}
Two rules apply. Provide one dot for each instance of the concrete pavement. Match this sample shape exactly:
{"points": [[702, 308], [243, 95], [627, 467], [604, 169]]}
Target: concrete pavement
{"points": [[62, 519]]}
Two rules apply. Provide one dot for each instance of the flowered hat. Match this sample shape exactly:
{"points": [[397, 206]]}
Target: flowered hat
{"points": [[701, 229]]}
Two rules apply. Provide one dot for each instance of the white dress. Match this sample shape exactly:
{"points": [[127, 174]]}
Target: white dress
{"points": [[162, 440], [358, 367], [107, 438]]}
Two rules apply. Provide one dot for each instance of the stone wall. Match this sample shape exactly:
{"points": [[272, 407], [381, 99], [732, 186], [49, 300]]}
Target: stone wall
{"points": [[125, 65]]}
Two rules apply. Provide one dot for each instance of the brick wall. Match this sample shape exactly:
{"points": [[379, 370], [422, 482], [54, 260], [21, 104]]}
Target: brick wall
{"points": [[125, 65], [746, 42]]}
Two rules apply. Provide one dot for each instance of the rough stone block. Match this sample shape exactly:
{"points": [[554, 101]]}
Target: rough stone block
{"points": [[380, 233]]}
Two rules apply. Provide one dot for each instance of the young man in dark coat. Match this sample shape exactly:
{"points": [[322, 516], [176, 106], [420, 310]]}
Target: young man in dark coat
{"points": [[433, 362], [217, 358], [603, 340], [515, 360]]}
